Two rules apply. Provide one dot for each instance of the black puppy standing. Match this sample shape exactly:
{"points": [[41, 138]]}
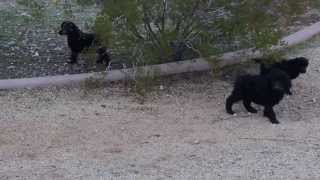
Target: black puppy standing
{"points": [[78, 40], [266, 90]]}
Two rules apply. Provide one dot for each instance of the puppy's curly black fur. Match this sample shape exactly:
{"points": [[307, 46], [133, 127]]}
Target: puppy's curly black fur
{"points": [[266, 90], [78, 40], [293, 67]]}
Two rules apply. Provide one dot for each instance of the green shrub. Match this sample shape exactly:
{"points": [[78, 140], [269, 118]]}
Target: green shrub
{"points": [[157, 31]]}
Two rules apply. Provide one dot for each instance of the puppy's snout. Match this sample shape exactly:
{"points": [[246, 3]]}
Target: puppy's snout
{"points": [[277, 86], [61, 32], [101, 50]]}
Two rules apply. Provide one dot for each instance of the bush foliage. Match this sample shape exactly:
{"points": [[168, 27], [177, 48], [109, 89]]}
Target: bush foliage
{"points": [[157, 31]]}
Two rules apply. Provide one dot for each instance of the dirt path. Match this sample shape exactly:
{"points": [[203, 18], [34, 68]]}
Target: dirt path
{"points": [[181, 132]]}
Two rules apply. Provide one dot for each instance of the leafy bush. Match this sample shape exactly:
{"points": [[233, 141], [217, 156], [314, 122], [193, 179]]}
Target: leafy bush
{"points": [[157, 31]]}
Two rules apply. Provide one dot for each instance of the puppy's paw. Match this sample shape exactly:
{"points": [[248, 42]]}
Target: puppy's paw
{"points": [[230, 112], [99, 62], [253, 111], [274, 121], [71, 61], [108, 69]]}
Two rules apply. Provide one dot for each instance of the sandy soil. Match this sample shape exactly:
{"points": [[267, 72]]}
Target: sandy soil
{"points": [[180, 132]]}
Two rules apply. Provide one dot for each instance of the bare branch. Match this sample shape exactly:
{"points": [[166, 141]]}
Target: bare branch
{"points": [[163, 20]]}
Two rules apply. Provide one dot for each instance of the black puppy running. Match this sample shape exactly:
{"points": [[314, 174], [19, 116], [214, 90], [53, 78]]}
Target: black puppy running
{"points": [[293, 67], [266, 90], [78, 40]]}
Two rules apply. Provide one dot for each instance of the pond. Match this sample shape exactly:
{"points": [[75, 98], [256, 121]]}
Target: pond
{"points": [[30, 45]]}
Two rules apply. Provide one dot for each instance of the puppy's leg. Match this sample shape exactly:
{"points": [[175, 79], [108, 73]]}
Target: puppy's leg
{"points": [[269, 113], [247, 105], [108, 68], [107, 59], [230, 101], [99, 58], [73, 58]]}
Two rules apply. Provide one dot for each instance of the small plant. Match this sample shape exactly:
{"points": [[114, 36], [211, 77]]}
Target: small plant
{"points": [[93, 83], [145, 82]]}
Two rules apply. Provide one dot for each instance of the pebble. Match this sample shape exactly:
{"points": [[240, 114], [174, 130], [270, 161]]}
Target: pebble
{"points": [[196, 142], [11, 43], [57, 49], [36, 54], [11, 67]]}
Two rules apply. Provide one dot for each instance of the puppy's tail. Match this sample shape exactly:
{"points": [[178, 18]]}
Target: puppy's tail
{"points": [[259, 60]]}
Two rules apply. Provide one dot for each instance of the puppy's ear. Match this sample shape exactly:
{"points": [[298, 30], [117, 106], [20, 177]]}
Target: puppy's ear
{"points": [[63, 29], [63, 24], [101, 50]]}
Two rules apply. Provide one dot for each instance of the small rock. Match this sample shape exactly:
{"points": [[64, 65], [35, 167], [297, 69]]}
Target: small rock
{"points": [[104, 106], [11, 67], [11, 43], [196, 142], [25, 14], [136, 172], [114, 150], [36, 54], [156, 135], [132, 165]]}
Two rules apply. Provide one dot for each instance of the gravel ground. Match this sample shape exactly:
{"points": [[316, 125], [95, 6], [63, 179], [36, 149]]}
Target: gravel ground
{"points": [[31, 47], [179, 132]]}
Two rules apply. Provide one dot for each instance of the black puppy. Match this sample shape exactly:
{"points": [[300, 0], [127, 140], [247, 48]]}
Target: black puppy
{"points": [[266, 90], [78, 40], [293, 67]]}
